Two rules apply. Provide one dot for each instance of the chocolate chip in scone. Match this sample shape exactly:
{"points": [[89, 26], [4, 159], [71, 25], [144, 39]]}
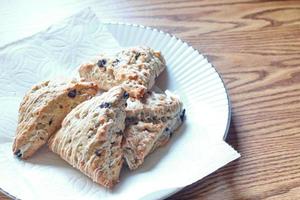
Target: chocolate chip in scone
{"points": [[137, 55], [61, 106], [50, 122], [171, 134], [72, 93], [105, 105], [98, 152], [119, 133], [18, 153], [101, 63], [115, 62], [126, 95], [164, 119], [167, 129], [131, 120], [182, 115]]}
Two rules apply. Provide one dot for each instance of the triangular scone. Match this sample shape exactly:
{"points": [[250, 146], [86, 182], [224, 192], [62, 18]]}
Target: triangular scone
{"points": [[149, 125], [136, 68], [42, 110], [91, 134], [142, 138]]}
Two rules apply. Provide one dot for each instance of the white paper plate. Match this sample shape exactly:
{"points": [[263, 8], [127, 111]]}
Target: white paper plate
{"points": [[188, 74]]}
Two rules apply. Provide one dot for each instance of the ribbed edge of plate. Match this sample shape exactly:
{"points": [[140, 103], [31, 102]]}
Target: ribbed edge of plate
{"points": [[193, 73]]}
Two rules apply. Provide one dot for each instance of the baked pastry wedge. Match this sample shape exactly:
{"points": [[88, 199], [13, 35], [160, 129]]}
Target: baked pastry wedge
{"points": [[91, 135], [42, 110], [142, 138], [136, 68], [149, 124]]}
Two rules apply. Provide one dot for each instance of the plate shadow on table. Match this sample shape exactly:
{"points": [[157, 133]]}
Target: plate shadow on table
{"points": [[222, 178], [232, 137]]}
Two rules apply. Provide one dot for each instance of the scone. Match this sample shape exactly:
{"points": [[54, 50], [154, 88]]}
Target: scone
{"points": [[150, 123], [91, 134], [42, 110], [136, 68], [144, 137]]}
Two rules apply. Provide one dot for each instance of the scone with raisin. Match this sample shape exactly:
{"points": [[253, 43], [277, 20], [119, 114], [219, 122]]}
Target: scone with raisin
{"points": [[149, 124], [91, 134], [42, 110], [136, 68]]}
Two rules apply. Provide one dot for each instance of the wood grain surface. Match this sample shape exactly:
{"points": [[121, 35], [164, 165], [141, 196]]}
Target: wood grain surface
{"points": [[255, 46]]}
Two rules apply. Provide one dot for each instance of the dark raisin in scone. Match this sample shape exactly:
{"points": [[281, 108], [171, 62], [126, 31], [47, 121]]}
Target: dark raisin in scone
{"points": [[42, 110]]}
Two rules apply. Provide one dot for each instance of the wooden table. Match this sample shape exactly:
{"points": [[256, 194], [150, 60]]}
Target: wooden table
{"points": [[255, 45]]}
